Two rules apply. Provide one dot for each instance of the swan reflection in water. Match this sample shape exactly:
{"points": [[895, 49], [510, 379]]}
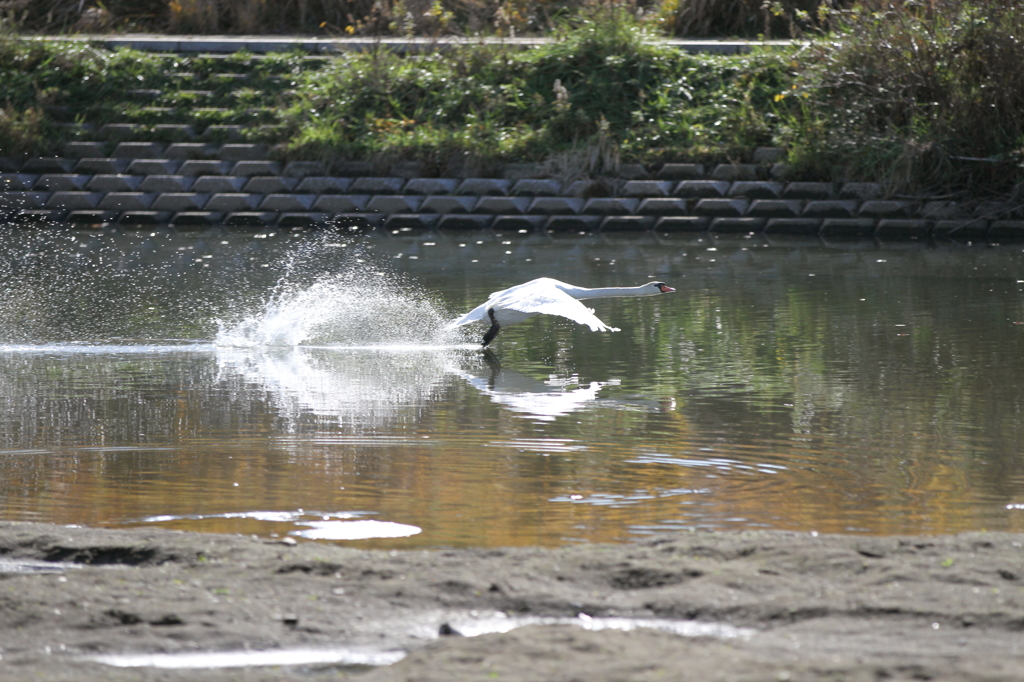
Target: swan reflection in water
{"points": [[384, 386], [548, 399]]}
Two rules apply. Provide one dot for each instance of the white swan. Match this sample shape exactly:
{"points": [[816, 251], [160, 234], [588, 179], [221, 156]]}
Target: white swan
{"points": [[550, 297]]}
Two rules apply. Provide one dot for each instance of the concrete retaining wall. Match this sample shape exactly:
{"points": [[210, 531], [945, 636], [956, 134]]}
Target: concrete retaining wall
{"points": [[140, 183]]}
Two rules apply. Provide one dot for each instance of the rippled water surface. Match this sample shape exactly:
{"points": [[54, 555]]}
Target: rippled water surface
{"points": [[303, 384]]}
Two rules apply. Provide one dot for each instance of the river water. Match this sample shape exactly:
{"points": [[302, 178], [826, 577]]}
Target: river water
{"points": [[303, 385]]}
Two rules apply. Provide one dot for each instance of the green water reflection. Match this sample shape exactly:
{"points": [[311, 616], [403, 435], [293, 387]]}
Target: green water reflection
{"points": [[855, 387]]}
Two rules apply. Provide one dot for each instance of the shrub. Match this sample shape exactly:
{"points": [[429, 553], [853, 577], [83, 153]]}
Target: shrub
{"points": [[21, 130], [922, 95]]}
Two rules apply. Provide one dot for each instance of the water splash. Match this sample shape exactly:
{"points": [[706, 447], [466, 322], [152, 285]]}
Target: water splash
{"points": [[359, 307], [245, 290], [358, 304], [343, 338], [69, 286]]}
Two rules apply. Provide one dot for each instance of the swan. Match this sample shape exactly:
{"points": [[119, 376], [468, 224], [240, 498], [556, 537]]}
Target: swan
{"points": [[550, 297]]}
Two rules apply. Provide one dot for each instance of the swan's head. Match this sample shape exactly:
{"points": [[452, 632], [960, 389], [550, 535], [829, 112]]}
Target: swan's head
{"points": [[659, 288]]}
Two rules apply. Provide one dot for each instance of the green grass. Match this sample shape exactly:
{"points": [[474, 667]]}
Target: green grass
{"points": [[599, 87], [46, 83]]}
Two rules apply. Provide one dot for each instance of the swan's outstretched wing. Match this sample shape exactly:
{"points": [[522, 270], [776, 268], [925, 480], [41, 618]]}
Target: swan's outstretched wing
{"points": [[479, 313], [549, 300], [475, 315]]}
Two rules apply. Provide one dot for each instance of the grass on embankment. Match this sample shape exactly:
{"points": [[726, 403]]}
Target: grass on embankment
{"points": [[600, 95], [926, 98], [602, 91]]}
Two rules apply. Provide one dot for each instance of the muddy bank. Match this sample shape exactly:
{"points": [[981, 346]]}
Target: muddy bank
{"points": [[754, 605]]}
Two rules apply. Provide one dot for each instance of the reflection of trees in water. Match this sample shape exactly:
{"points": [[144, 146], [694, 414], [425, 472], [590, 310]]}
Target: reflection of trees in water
{"points": [[771, 348], [92, 436], [70, 397], [888, 410]]}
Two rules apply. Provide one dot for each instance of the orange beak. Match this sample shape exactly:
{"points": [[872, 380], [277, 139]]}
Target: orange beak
{"points": [[666, 289]]}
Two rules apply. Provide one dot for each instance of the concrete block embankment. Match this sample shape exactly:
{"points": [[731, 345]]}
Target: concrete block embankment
{"points": [[138, 183]]}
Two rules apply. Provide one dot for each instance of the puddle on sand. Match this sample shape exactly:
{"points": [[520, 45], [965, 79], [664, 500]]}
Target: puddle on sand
{"points": [[313, 525], [470, 625], [240, 659], [32, 566]]}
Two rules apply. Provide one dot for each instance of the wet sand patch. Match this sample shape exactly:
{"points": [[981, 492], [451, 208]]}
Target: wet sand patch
{"points": [[807, 607]]}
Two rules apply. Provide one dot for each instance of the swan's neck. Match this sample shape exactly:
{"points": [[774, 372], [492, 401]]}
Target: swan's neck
{"points": [[609, 292]]}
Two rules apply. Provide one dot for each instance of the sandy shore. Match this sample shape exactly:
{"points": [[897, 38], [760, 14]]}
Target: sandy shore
{"points": [[751, 606]]}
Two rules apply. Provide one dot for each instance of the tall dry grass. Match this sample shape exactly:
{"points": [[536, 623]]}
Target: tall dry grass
{"points": [[747, 18], [264, 16], [927, 95]]}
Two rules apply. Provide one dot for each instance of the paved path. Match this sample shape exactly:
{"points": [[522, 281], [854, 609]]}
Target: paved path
{"points": [[262, 44]]}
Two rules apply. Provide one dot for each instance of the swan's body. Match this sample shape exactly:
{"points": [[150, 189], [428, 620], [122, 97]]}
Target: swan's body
{"points": [[549, 297]]}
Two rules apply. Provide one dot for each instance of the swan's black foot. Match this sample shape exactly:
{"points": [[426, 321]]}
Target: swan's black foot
{"points": [[493, 331]]}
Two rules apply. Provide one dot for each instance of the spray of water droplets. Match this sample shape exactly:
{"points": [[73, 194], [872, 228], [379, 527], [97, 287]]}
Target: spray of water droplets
{"points": [[359, 305], [241, 290]]}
